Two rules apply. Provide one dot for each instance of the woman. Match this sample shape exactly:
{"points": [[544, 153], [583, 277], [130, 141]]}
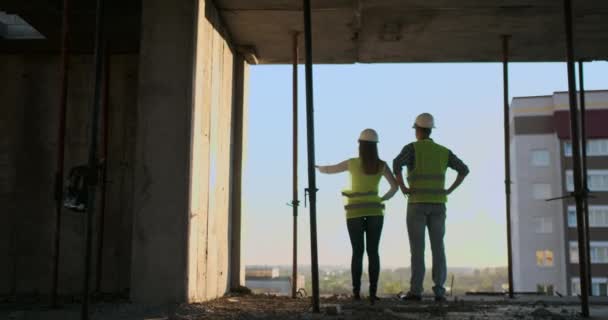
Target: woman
{"points": [[364, 208]]}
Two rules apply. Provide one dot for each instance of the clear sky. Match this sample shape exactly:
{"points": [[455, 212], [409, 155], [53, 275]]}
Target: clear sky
{"points": [[466, 100]]}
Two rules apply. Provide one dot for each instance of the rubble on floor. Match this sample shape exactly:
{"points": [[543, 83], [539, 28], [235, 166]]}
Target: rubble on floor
{"points": [[257, 307]]}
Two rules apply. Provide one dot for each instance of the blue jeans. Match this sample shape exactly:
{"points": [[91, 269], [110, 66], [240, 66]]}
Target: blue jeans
{"points": [[419, 217]]}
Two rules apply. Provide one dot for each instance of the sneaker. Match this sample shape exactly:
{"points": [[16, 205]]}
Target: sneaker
{"points": [[441, 299], [411, 297]]}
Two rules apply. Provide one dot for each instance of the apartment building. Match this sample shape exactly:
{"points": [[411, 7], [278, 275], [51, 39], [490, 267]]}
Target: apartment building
{"points": [[544, 235]]}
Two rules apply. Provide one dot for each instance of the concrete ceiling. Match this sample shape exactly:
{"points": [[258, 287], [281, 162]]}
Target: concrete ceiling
{"points": [[46, 17], [367, 31], [349, 31]]}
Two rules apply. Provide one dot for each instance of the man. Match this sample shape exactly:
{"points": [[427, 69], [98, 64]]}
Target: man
{"points": [[427, 163]]}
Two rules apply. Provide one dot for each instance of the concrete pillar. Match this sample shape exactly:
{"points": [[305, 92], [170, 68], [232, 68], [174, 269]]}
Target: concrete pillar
{"points": [[184, 159], [237, 268]]}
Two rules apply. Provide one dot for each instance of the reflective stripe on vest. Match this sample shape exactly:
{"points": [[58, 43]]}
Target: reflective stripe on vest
{"points": [[415, 177], [427, 180], [358, 194], [367, 205], [427, 191]]}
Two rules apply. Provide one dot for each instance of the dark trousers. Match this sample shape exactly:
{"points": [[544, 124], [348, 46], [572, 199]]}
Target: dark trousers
{"points": [[370, 228]]}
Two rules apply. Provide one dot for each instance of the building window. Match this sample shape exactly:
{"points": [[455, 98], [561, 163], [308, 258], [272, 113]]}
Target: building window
{"points": [[599, 286], [540, 158], [576, 286], [568, 148], [547, 289], [573, 252], [599, 252], [598, 216], [541, 191], [544, 258], [597, 180], [595, 147], [572, 217], [544, 224]]}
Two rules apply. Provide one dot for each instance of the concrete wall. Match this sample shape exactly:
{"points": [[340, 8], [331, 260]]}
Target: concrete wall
{"points": [[172, 225], [28, 141], [185, 149]]}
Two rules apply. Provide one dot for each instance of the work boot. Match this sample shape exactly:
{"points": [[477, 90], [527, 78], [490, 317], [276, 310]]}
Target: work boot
{"points": [[411, 297]]}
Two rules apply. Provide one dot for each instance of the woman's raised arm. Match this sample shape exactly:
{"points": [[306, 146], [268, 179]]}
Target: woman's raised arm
{"points": [[336, 168]]}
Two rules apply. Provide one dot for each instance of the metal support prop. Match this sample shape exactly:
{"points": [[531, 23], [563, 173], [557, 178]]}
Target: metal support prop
{"points": [[295, 203], [312, 183], [505, 78], [581, 81], [104, 175], [576, 160], [63, 97], [93, 161]]}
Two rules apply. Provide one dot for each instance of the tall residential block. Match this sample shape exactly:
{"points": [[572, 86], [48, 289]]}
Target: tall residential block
{"points": [[545, 248]]}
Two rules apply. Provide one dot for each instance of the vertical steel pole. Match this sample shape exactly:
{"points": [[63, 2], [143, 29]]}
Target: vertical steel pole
{"points": [[295, 203], [576, 160], [104, 176], [63, 97], [581, 81], [93, 161], [312, 183], [505, 78]]}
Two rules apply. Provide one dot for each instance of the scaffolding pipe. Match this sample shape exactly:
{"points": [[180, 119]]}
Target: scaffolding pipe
{"points": [[93, 161], [576, 160], [104, 174], [63, 97], [581, 81], [507, 133], [312, 183], [295, 203]]}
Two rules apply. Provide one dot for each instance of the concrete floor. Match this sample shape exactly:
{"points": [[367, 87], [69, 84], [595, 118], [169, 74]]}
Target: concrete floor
{"points": [[270, 307]]}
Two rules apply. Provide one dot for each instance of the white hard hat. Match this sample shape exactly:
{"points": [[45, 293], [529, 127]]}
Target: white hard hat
{"points": [[369, 135], [424, 120]]}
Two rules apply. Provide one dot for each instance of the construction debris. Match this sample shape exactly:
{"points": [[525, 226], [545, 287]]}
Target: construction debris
{"points": [[257, 307]]}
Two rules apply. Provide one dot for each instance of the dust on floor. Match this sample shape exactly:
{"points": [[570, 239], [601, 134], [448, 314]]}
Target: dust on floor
{"points": [[254, 307]]}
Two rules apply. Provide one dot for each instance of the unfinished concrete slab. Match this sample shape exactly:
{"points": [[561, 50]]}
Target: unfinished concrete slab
{"points": [[367, 31], [348, 31], [280, 308]]}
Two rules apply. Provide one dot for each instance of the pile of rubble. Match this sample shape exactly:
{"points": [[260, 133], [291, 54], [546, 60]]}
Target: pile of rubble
{"points": [[254, 307]]}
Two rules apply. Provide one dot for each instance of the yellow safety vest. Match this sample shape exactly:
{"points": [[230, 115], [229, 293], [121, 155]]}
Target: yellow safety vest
{"points": [[362, 198], [427, 180]]}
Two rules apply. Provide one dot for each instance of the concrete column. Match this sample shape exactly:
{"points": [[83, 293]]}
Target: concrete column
{"points": [[181, 235], [237, 268], [161, 210]]}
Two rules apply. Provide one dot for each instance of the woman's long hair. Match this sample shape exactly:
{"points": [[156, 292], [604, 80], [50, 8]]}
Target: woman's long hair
{"points": [[368, 152]]}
